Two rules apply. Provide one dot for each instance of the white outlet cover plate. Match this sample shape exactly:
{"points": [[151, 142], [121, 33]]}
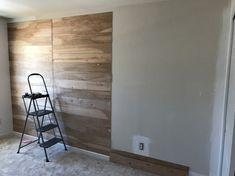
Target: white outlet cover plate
{"points": [[137, 139]]}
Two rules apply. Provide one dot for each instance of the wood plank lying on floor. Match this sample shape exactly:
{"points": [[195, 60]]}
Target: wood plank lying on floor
{"points": [[159, 167]]}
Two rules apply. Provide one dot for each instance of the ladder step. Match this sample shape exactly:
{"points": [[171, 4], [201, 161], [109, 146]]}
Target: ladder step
{"points": [[40, 113], [35, 95], [47, 127], [39, 95], [50, 142]]}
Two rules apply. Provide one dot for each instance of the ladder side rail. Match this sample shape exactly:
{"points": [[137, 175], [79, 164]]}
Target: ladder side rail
{"points": [[26, 109], [49, 115], [52, 123], [35, 124], [43, 117], [37, 105], [42, 120], [40, 132], [57, 124], [22, 135], [45, 104]]}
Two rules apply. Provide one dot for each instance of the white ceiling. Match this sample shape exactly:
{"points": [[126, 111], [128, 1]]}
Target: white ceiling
{"points": [[55, 8]]}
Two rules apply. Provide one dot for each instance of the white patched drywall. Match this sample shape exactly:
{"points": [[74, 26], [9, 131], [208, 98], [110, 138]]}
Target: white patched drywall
{"points": [[169, 69], [5, 97]]}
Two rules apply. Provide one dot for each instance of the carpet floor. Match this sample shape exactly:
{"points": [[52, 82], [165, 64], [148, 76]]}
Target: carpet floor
{"points": [[31, 162]]}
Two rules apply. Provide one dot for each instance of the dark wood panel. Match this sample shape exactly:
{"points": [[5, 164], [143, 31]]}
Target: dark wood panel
{"points": [[155, 166]]}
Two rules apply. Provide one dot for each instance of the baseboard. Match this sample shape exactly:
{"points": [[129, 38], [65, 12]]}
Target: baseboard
{"points": [[155, 166], [89, 153], [79, 150]]}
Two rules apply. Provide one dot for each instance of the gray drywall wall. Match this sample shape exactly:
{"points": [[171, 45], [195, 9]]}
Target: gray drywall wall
{"points": [[165, 59], [5, 98]]}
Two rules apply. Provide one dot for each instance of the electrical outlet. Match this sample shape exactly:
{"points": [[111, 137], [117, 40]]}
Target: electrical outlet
{"points": [[141, 146]]}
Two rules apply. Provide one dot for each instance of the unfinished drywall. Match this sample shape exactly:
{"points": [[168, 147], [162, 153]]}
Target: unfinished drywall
{"points": [[5, 98], [164, 68]]}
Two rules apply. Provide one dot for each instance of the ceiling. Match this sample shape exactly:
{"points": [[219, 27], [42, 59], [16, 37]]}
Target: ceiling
{"points": [[54, 8]]}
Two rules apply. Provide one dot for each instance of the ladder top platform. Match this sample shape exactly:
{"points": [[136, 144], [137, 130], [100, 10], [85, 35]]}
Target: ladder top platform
{"points": [[35, 95]]}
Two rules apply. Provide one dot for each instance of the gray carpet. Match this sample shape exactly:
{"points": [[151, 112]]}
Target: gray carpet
{"points": [[31, 162]]}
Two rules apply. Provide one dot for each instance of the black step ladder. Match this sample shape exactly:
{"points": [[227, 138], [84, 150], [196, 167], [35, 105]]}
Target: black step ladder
{"points": [[39, 114]]}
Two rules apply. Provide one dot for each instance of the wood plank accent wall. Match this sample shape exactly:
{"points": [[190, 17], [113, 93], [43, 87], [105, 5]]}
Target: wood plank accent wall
{"points": [[82, 57], [30, 50], [75, 55]]}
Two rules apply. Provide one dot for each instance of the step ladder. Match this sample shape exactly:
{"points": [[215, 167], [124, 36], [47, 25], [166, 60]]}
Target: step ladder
{"points": [[39, 113]]}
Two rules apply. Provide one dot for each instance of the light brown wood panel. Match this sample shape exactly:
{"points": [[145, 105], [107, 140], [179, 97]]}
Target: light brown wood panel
{"points": [[82, 57], [83, 25], [73, 39], [27, 56], [84, 94], [30, 50], [86, 39], [75, 56], [19, 123], [64, 67]]}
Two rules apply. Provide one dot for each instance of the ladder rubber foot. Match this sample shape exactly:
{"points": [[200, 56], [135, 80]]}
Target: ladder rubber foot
{"points": [[18, 152], [47, 160], [66, 149]]}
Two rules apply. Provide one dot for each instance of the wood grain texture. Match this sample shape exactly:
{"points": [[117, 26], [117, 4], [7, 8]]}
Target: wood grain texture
{"points": [[155, 166], [75, 56], [30, 50], [82, 57]]}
